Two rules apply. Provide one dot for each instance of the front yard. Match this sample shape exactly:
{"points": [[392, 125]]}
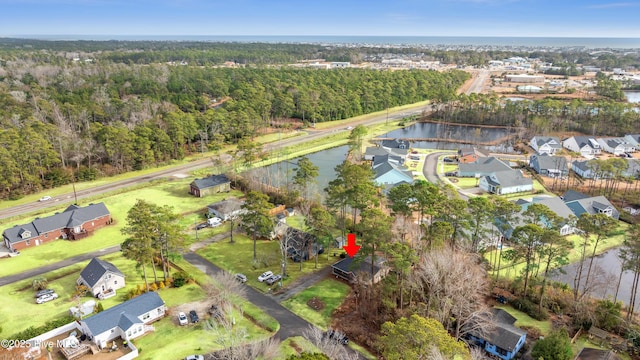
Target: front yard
{"points": [[237, 257], [330, 292]]}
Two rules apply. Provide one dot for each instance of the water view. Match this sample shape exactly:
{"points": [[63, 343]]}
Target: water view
{"points": [[633, 96]]}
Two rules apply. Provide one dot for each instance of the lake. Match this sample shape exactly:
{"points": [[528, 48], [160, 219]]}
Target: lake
{"points": [[633, 96]]}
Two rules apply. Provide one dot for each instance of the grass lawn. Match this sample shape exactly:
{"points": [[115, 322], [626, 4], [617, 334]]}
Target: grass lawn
{"points": [[297, 221], [330, 291], [513, 270], [171, 341], [238, 258], [466, 182], [63, 281], [525, 320], [173, 193], [346, 122]]}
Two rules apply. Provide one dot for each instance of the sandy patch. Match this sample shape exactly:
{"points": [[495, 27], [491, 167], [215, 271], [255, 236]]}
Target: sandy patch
{"points": [[180, 175]]}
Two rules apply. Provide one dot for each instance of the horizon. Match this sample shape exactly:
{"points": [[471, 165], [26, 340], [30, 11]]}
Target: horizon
{"points": [[404, 18]]}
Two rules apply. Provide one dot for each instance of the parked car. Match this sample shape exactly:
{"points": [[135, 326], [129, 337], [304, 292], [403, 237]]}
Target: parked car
{"points": [[194, 316], [241, 277], [337, 336], [46, 298], [265, 275], [451, 173], [182, 318], [44, 292], [274, 279], [214, 221], [45, 198], [202, 226], [194, 357]]}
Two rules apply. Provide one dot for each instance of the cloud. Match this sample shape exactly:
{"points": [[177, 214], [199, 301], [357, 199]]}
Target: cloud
{"points": [[614, 5]]}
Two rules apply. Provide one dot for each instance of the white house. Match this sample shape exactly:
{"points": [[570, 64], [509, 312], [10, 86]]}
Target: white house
{"points": [[616, 146], [128, 320], [506, 182], [633, 139], [582, 168], [545, 145], [101, 277], [585, 145], [226, 209]]}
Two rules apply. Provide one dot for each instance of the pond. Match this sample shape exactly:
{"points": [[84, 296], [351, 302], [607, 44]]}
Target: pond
{"points": [[606, 272], [633, 96]]}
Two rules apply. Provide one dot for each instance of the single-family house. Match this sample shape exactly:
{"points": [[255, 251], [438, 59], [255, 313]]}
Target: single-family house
{"points": [[128, 320], [226, 209], [390, 174], [471, 154], [300, 245], [210, 185], [73, 223], [484, 166], [581, 203], [387, 158], [551, 166], [585, 145], [101, 277], [503, 340], [584, 169], [549, 145], [596, 354], [616, 146], [372, 152], [395, 144], [506, 182], [554, 203], [633, 139], [352, 269], [633, 170]]}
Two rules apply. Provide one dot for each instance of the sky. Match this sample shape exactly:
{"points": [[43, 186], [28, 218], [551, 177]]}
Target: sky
{"points": [[515, 18]]}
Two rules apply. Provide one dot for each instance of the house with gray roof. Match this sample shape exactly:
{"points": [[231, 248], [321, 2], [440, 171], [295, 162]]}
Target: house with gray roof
{"points": [[395, 144], [549, 145], [616, 146], [73, 223], [372, 151], [387, 158], [128, 320], [551, 166], [580, 204], [353, 269], [502, 340], [226, 209], [506, 182], [390, 174], [585, 145], [596, 354], [633, 170], [101, 277], [210, 185], [554, 203], [584, 170], [471, 154], [633, 139], [482, 167]]}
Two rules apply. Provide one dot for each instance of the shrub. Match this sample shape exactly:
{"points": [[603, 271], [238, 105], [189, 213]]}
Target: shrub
{"points": [[180, 279], [32, 332], [530, 308], [39, 283], [153, 287], [161, 285], [99, 307]]}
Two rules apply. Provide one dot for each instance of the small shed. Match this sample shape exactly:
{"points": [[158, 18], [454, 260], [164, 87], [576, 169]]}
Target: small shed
{"points": [[210, 185]]}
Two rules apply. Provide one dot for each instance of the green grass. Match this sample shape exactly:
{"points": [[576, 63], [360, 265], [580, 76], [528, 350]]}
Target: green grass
{"points": [[277, 136], [171, 341], [295, 346], [366, 353], [296, 221], [330, 291], [63, 281], [347, 122], [238, 257], [525, 320], [466, 182], [173, 193]]}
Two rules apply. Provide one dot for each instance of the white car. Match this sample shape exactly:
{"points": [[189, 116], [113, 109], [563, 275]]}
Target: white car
{"points": [[46, 298], [182, 318], [214, 221], [265, 275], [194, 357], [45, 198]]}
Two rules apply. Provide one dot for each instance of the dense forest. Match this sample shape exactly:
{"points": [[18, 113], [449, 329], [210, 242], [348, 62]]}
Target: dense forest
{"points": [[64, 118]]}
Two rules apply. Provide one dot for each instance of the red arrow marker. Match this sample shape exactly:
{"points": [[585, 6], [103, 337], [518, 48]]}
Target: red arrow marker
{"points": [[351, 248]]}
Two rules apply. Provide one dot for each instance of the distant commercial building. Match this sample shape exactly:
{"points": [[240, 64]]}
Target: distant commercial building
{"points": [[524, 78]]}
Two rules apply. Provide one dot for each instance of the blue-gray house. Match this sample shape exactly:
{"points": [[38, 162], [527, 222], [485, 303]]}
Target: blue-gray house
{"points": [[551, 166], [503, 340]]}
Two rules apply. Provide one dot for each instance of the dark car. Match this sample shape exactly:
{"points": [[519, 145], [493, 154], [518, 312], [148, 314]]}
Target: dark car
{"points": [[337, 336], [44, 292], [202, 226], [194, 316], [274, 279]]}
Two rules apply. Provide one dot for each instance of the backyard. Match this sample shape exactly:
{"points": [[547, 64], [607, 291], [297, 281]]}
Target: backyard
{"points": [[327, 295]]}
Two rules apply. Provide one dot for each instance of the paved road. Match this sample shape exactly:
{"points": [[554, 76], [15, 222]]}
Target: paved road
{"points": [[479, 82], [55, 266]]}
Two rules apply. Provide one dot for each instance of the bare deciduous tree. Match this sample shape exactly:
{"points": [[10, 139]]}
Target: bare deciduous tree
{"points": [[329, 346]]}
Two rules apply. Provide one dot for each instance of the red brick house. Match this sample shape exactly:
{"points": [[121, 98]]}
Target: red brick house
{"points": [[74, 223]]}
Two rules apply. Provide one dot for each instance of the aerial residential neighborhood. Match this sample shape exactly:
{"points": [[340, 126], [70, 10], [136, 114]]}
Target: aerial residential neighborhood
{"points": [[285, 200]]}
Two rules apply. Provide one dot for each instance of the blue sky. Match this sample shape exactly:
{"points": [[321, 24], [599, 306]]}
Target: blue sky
{"points": [[544, 18]]}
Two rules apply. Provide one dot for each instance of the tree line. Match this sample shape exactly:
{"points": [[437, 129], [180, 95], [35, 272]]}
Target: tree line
{"points": [[83, 120]]}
